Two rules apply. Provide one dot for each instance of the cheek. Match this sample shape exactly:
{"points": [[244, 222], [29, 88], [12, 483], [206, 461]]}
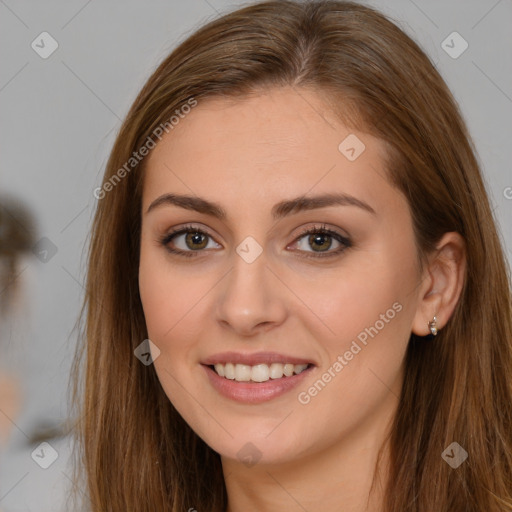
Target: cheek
{"points": [[168, 296], [361, 372], [367, 316], [156, 299], [170, 302], [175, 304], [348, 302]]}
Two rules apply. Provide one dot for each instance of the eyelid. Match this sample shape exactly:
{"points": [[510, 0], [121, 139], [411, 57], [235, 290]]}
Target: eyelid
{"points": [[182, 230], [344, 240]]}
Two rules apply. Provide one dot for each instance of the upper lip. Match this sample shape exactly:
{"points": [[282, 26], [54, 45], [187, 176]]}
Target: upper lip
{"points": [[254, 359]]}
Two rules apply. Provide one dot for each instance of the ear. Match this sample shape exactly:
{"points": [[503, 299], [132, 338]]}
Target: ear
{"points": [[443, 280]]}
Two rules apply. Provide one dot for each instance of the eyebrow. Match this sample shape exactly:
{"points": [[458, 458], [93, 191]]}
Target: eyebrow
{"points": [[279, 210]]}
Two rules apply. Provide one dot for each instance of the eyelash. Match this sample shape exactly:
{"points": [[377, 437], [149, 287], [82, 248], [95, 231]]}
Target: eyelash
{"points": [[322, 230]]}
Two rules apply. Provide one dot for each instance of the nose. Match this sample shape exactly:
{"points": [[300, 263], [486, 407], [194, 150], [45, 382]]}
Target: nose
{"points": [[251, 299]]}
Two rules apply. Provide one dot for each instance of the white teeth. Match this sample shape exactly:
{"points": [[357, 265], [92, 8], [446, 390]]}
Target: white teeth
{"points": [[219, 368], [242, 373], [259, 372], [229, 371], [276, 370], [288, 370]]}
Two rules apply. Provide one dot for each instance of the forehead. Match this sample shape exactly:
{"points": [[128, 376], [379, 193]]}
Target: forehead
{"points": [[280, 142]]}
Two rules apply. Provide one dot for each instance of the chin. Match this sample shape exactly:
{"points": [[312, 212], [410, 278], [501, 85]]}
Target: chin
{"points": [[256, 446]]}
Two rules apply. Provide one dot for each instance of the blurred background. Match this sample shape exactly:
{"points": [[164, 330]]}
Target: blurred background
{"points": [[70, 71]]}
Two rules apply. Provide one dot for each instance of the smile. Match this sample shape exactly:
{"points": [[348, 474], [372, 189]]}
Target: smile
{"points": [[259, 372]]}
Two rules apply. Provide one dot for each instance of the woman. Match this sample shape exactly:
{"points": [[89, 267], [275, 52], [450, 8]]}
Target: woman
{"points": [[297, 298]]}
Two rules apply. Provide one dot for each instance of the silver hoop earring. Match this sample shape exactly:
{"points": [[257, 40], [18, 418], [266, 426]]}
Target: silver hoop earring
{"points": [[432, 325]]}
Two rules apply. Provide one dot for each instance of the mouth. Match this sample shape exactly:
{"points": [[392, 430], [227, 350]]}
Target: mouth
{"points": [[258, 373], [255, 378]]}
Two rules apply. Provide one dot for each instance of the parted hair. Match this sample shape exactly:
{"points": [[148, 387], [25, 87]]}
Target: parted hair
{"points": [[134, 451]]}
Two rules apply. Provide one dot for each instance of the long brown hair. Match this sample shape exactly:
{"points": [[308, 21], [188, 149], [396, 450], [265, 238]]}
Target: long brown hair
{"points": [[136, 452]]}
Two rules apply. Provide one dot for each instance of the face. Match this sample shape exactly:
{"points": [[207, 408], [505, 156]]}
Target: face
{"points": [[281, 323]]}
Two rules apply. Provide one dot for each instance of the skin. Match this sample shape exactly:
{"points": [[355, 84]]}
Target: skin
{"points": [[247, 155]]}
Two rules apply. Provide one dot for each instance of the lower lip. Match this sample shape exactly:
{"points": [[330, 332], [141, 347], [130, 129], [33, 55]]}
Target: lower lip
{"points": [[254, 392]]}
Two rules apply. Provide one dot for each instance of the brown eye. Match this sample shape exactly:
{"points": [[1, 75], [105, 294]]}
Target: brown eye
{"points": [[316, 242], [322, 241], [195, 241], [188, 241]]}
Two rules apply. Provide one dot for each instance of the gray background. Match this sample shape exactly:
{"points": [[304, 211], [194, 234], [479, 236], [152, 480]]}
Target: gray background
{"points": [[59, 117]]}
